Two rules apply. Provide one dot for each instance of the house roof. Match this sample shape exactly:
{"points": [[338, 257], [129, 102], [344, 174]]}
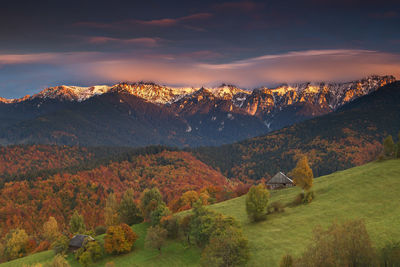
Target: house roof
{"points": [[78, 240], [279, 178]]}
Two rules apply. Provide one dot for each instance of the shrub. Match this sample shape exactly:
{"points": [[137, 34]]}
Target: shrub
{"points": [[155, 237], [99, 230], [119, 239], [58, 261], [308, 197], [60, 245], [226, 248], [44, 245], [286, 261], [276, 207], [347, 244], [390, 254], [90, 253], [256, 202]]}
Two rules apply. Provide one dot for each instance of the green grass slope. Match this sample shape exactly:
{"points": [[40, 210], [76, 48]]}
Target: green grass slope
{"points": [[370, 192], [174, 253]]}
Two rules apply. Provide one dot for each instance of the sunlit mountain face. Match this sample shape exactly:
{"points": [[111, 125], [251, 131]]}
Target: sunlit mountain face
{"points": [[141, 114], [188, 44]]}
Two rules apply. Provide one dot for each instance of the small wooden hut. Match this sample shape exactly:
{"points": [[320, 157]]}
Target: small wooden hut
{"points": [[79, 241], [279, 180]]}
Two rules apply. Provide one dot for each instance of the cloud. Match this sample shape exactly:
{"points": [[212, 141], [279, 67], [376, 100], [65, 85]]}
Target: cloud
{"points": [[247, 6], [162, 22], [143, 41], [312, 65], [190, 69]]}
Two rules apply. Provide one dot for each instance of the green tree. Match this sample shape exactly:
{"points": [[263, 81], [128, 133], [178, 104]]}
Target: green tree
{"points": [[129, 213], [77, 224], [90, 253], [346, 244], [388, 147], [302, 174], [111, 211], [156, 215], [257, 202], [226, 248], [149, 201], [50, 230], [155, 237], [15, 244], [60, 245]]}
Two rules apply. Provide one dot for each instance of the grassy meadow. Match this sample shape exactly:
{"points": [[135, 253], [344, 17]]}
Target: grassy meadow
{"points": [[370, 192]]}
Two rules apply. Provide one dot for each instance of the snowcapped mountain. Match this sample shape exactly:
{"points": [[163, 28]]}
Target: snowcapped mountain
{"points": [[147, 113]]}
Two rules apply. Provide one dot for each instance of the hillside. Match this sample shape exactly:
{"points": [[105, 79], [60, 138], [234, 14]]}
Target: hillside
{"points": [[369, 192], [28, 203], [351, 136]]}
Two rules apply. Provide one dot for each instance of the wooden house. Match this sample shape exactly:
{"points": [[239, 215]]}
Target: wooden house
{"points": [[79, 241], [279, 180]]}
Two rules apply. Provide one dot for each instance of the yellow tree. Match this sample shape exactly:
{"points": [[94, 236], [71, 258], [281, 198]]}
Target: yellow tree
{"points": [[50, 230], [111, 211], [302, 174]]}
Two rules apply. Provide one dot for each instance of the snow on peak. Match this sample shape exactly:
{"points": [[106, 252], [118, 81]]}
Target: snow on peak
{"points": [[71, 93]]}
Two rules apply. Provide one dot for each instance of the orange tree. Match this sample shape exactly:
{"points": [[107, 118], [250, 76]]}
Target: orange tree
{"points": [[119, 239]]}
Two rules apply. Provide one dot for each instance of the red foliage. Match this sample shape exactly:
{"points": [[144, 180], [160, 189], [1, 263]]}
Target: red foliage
{"points": [[28, 205]]}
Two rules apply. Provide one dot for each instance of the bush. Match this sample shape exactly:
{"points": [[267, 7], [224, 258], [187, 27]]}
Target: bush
{"points": [[286, 261], [308, 197], [58, 261], [60, 245], [44, 245], [347, 244], [303, 198], [226, 248], [99, 230], [119, 239], [390, 254], [90, 253], [256, 202], [276, 207]]}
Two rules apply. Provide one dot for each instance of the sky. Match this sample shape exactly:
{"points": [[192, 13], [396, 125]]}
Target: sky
{"points": [[194, 43]]}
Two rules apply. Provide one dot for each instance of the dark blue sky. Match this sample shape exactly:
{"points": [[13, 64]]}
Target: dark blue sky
{"points": [[45, 43]]}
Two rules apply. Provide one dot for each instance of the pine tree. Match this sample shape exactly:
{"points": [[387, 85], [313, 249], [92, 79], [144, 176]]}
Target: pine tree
{"points": [[302, 174]]}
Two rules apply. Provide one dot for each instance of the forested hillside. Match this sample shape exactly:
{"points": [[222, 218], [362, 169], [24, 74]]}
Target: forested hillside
{"points": [[348, 137]]}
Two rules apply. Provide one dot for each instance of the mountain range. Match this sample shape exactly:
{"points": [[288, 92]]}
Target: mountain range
{"points": [[139, 114]]}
